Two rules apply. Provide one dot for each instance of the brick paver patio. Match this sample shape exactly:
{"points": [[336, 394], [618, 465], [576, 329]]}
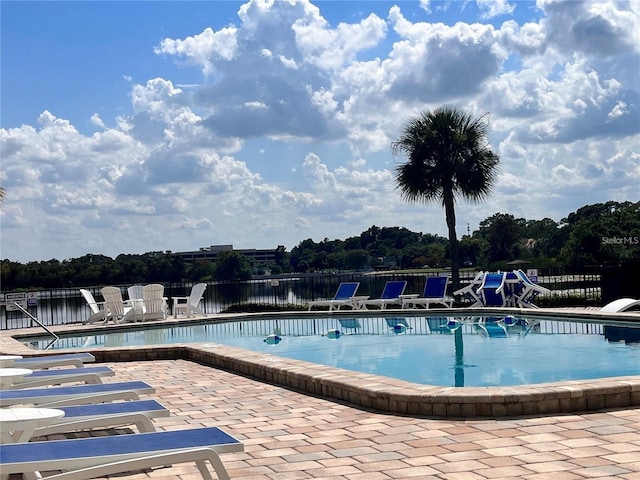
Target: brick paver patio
{"points": [[289, 435]]}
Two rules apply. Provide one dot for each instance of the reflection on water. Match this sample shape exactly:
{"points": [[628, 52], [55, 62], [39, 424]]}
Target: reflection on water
{"points": [[448, 351]]}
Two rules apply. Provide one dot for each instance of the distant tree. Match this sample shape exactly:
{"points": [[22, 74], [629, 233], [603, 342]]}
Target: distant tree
{"points": [[601, 233], [232, 265], [543, 238], [448, 157], [503, 234], [474, 249]]}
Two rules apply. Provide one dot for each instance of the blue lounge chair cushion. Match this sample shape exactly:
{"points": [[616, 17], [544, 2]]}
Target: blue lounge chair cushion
{"points": [[42, 395], [393, 290], [346, 290], [60, 454], [116, 408]]}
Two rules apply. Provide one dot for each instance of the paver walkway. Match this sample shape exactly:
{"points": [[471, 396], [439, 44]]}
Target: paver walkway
{"points": [[288, 435]]}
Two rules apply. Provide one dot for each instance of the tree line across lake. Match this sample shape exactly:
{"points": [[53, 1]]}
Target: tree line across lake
{"points": [[593, 235]]}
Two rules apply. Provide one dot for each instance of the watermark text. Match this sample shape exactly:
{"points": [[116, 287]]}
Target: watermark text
{"points": [[621, 240]]}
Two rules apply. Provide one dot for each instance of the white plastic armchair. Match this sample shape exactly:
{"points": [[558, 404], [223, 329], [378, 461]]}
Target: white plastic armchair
{"points": [[98, 309], [154, 302], [190, 305], [118, 311]]}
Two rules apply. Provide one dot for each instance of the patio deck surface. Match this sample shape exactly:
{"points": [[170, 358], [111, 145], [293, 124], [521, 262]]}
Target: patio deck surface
{"points": [[290, 435]]}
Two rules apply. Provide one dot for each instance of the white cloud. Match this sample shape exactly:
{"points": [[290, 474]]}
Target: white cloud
{"points": [[284, 131], [493, 8], [204, 49]]}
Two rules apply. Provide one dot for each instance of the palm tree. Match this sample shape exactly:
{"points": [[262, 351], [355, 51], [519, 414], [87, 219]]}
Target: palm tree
{"points": [[448, 157]]}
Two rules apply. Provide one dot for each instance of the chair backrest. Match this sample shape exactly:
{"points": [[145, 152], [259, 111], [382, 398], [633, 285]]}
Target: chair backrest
{"points": [[393, 289], [493, 281], [135, 292], [113, 299], [153, 296], [88, 296], [492, 290], [436, 287], [196, 294], [346, 290]]}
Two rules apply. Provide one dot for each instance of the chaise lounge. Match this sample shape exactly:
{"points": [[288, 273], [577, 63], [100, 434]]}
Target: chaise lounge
{"points": [[93, 457], [41, 378], [435, 289], [76, 394], [344, 297], [77, 360], [390, 296]]}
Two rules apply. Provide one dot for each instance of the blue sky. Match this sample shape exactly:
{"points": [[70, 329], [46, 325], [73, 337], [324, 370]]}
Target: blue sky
{"points": [[129, 127]]}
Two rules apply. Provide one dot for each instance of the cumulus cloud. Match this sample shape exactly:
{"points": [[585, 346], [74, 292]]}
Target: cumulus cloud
{"points": [[282, 129]]}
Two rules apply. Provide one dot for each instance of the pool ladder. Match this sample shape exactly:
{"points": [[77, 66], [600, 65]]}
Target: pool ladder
{"points": [[26, 312]]}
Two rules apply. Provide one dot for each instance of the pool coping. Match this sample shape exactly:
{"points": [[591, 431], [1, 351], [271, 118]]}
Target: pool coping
{"points": [[380, 393]]}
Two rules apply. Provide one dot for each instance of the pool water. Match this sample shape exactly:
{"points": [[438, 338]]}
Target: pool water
{"points": [[473, 351]]}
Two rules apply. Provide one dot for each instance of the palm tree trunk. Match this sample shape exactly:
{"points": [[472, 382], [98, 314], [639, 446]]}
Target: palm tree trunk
{"points": [[450, 213]]}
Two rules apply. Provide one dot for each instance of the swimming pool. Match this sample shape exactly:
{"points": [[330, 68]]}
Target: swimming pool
{"points": [[445, 351]]}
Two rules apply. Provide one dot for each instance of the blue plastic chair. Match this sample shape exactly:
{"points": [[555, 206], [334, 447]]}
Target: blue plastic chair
{"points": [[491, 291], [390, 295]]}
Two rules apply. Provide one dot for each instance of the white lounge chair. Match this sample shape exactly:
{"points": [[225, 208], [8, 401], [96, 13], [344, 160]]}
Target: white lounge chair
{"points": [[528, 291], [76, 394], [390, 296], [344, 297], [135, 301], [93, 457], [620, 305], [470, 292], [190, 305], [155, 305], [118, 311], [435, 293], [77, 360], [98, 309], [102, 415], [41, 378]]}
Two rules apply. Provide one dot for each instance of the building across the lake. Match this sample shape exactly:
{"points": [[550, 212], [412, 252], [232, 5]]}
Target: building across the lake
{"points": [[259, 255]]}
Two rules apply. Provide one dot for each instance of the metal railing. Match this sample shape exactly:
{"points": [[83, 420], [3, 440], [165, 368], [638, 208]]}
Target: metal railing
{"points": [[576, 287]]}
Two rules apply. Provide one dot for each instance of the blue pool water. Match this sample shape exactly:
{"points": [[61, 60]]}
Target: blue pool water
{"points": [[475, 351]]}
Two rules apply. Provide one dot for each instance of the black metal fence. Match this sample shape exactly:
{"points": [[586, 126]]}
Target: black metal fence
{"points": [[576, 287]]}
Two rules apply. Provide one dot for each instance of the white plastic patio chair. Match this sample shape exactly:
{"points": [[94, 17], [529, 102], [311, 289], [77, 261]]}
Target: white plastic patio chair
{"points": [[155, 305], [118, 311], [135, 301], [190, 305], [98, 309], [469, 292]]}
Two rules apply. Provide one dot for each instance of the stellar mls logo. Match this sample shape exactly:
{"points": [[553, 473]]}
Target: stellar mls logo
{"points": [[621, 240]]}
